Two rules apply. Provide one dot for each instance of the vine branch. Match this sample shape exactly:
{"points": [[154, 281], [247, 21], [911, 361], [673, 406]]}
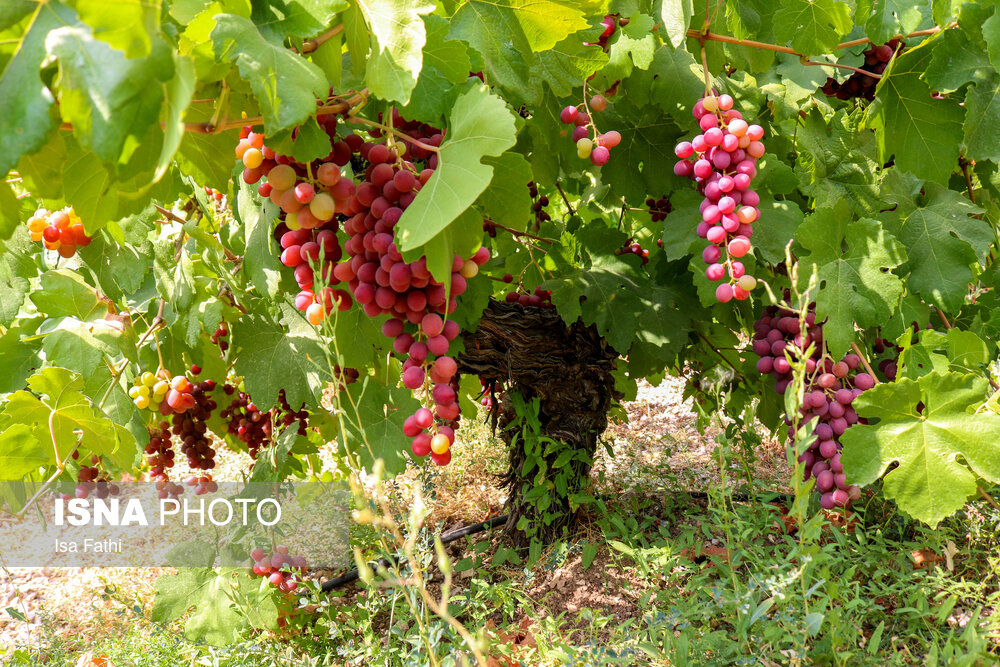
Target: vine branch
{"points": [[514, 232], [864, 360]]}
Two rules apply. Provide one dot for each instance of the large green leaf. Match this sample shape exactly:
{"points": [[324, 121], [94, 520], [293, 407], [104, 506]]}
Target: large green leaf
{"points": [[271, 359], [507, 199], [957, 60], [280, 19], [126, 25], [261, 259], [983, 105], [884, 19], [446, 63], [838, 162], [178, 95], [856, 286], [924, 134], [215, 619], [479, 125], [563, 67], [942, 239], [812, 26], [25, 121], [373, 422], [495, 33], [64, 293], [286, 84], [108, 97], [675, 15], [61, 415], [930, 482], [13, 289], [678, 83], [397, 40]]}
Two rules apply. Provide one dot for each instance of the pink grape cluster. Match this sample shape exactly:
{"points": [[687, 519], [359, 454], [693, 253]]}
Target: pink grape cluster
{"points": [[203, 484], [830, 390], [541, 297], [90, 481], [279, 568], [722, 161], [590, 143], [310, 196]]}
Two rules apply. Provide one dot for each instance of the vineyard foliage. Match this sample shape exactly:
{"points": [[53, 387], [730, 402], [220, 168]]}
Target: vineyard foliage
{"points": [[123, 117]]}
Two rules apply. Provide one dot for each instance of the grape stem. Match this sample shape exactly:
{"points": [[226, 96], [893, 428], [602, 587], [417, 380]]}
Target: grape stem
{"points": [[858, 70], [864, 360], [387, 128], [514, 232], [565, 199], [947, 324], [712, 347], [311, 45], [988, 498]]}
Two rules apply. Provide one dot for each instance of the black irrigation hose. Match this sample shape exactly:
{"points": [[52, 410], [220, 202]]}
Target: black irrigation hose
{"points": [[449, 536]]}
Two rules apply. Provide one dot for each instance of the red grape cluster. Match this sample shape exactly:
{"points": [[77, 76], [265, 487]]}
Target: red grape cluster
{"points": [[219, 336], [722, 161], [538, 204], [61, 231], [247, 422], [202, 485], [590, 143], [541, 297], [635, 248], [858, 84], [191, 427], [658, 208], [287, 416], [278, 568], [888, 366], [160, 457], [89, 480], [214, 194], [831, 388], [309, 196]]}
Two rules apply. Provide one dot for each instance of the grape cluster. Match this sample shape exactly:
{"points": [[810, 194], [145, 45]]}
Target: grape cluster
{"points": [[90, 480], [202, 485], [831, 388], [658, 208], [191, 427], [590, 143], [538, 204], [888, 366], [309, 196], [214, 194], [635, 248], [247, 422], [219, 337], [61, 230], [722, 161], [541, 298], [160, 457], [163, 393], [278, 568], [858, 84]]}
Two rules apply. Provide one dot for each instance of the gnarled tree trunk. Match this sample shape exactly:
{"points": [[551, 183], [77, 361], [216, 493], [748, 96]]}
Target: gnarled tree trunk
{"points": [[530, 350]]}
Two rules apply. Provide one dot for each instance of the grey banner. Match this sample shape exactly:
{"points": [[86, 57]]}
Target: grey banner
{"points": [[295, 525]]}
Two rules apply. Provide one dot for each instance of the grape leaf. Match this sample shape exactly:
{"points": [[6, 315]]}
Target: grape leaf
{"points": [[21, 455], [271, 358], [446, 63], [955, 62], [106, 96], [499, 38], [125, 25], [397, 40], [18, 357], [215, 620], [678, 83], [178, 96], [564, 66], [198, 156], [25, 122], [930, 482], [64, 293], [643, 162], [121, 267], [13, 289], [507, 199], [812, 26], [58, 411], [374, 428], [884, 19], [462, 237], [13, 11], [680, 236], [777, 225], [628, 53], [311, 142], [941, 237], [956, 350], [675, 15], [855, 284], [619, 298], [279, 19], [479, 125], [90, 189], [285, 84], [10, 211], [261, 259], [81, 346], [923, 133], [837, 162], [174, 274], [983, 105], [991, 33]]}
